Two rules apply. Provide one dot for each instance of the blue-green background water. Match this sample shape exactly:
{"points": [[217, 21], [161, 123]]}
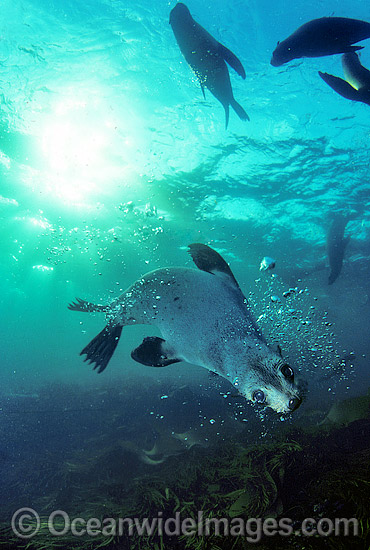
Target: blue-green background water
{"points": [[99, 109], [111, 163]]}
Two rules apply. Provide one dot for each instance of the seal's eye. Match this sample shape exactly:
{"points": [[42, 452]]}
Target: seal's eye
{"points": [[258, 396], [287, 372]]}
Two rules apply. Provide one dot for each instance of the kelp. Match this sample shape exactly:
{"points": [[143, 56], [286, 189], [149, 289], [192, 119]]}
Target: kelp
{"points": [[322, 475]]}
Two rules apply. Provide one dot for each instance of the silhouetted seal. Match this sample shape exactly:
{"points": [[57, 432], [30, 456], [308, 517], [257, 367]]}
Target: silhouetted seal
{"points": [[357, 84], [204, 319], [207, 58], [336, 244], [320, 37]]}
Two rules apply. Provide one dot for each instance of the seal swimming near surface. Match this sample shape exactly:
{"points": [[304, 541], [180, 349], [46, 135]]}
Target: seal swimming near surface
{"points": [[204, 319], [336, 244], [356, 85], [321, 37], [207, 58]]}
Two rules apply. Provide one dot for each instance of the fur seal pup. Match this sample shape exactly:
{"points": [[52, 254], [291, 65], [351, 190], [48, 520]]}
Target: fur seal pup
{"points": [[320, 37], [207, 58], [356, 85], [204, 319], [336, 244]]}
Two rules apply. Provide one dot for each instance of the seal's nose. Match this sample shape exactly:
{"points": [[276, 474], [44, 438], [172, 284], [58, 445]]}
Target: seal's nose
{"points": [[294, 403]]}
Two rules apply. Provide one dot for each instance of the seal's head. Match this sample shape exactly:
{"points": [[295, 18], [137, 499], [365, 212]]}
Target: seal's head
{"points": [[283, 53], [179, 12], [271, 383]]}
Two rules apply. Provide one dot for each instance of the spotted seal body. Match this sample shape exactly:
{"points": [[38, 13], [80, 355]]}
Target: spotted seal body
{"points": [[204, 319], [356, 85], [207, 58], [321, 37]]}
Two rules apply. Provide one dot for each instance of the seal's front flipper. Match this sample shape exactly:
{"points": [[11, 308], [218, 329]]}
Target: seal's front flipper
{"points": [[83, 305], [101, 348], [202, 88], [340, 86], [346, 241], [153, 353], [231, 59], [207, 259], [349, 49]]}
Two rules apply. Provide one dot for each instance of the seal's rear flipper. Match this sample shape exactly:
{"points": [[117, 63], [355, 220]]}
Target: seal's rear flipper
{"points": [[152, 353], [227, 114], [101, 348], [239, 110], [340, 86], [83, 305]]}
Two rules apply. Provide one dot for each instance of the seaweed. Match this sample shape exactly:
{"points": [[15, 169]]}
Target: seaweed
{"points": [[316, 474]]}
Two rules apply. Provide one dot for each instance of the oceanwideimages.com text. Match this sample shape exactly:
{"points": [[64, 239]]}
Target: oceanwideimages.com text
{"points": [[26, 523]]}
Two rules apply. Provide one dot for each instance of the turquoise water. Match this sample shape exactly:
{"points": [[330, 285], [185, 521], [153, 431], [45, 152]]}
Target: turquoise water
{"points": [[102, 119], [111, 163]]}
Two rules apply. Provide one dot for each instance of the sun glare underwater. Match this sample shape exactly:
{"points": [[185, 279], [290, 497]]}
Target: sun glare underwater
{"points": [[131, 134]]}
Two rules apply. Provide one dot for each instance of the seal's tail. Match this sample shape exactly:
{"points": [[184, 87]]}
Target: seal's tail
{"points": [[239, 110], [100, 350]]}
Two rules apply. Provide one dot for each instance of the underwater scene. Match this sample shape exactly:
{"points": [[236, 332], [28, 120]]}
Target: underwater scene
{"points": [[185, 267]]}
